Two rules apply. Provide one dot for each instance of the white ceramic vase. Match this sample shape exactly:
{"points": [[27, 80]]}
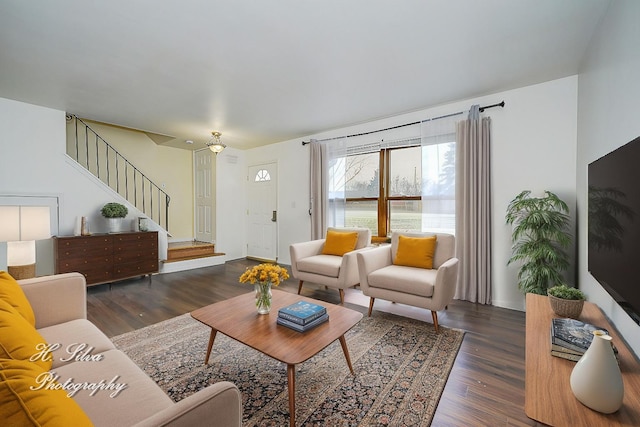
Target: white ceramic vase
{"points": [[596, 380]]}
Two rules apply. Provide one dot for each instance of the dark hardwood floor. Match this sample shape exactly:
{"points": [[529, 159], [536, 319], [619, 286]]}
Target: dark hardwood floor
{"points": [[486, 384]]}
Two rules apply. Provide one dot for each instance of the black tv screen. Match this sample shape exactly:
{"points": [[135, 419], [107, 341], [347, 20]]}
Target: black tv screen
{"points": [[614, 225]]}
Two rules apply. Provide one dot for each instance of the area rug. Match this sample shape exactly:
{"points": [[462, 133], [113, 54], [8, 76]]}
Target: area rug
{"points": [[401, 368]]}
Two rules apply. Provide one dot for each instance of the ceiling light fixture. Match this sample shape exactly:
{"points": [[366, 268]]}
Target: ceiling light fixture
{"points": [[215, 144]]}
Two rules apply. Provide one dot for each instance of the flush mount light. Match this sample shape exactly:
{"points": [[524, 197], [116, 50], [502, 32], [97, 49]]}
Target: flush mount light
{"points": [[215, 144]]}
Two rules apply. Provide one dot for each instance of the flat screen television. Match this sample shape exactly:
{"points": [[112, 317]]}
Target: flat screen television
{"points": [[614, 225]]}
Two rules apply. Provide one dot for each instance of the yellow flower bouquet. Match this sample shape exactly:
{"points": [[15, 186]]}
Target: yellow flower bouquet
{"points": [[263, 276]]}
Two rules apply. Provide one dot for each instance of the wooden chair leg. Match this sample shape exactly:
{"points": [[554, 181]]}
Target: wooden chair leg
{"points": [[434, 316], [341, 296], [300, 286], [371, 300]]}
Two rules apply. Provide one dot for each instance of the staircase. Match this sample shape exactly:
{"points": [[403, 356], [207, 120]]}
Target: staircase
{"points": [[93, 153]]}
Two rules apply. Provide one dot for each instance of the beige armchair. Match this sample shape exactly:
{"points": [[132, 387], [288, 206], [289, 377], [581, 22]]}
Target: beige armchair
{"points": [[322, 261], [430, 288]]}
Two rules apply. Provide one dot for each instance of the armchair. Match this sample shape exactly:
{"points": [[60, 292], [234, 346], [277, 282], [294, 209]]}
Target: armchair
{"points": [[430, 288], [313, 261]]}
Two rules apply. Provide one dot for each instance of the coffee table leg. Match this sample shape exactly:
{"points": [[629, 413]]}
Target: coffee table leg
{"points": [[211, 338], [291, 378], [345, 350]]}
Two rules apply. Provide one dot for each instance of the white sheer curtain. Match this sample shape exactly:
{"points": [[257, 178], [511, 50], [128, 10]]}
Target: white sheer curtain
{"points": [[437, 138], [336, 182], [473, 201]]}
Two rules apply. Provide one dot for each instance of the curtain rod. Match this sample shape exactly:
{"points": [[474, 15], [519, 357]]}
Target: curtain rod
{"points": [[499, 104]]}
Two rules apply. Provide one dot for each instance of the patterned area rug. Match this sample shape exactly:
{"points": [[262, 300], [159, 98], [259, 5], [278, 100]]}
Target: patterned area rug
{"points": [[401, 369]]}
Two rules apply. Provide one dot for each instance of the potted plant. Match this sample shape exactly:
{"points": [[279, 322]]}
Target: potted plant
{"points": [[540, 240], [114, 212], [566, 301]]}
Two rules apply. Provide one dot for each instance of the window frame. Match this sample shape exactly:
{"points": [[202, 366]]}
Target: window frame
{"points": [[383, 199]]}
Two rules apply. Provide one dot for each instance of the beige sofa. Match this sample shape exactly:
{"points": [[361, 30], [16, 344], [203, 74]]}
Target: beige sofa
{"points": [[60, 308]]}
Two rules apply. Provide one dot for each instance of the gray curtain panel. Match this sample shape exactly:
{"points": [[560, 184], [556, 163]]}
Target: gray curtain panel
{"points": [[473, 207], [318, 189]]}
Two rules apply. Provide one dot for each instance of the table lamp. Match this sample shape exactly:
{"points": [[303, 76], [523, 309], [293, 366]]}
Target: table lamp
{"points": [[20, 227]]}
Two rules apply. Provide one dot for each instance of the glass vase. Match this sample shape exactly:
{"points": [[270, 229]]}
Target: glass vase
{"points": [[263, 297], [596, 380]]}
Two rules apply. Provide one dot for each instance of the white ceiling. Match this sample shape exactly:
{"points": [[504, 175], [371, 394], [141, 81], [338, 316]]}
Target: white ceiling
{"points": [[268, 71]]}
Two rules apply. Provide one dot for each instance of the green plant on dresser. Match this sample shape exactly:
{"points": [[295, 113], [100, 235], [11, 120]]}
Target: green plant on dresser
{"points": [[114, 210]]}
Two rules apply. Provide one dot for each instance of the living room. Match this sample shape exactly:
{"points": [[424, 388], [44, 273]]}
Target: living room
{"points": [[544, 138]]}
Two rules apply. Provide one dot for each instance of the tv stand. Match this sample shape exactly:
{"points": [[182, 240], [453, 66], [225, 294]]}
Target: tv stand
{"points": [[548, 397]]}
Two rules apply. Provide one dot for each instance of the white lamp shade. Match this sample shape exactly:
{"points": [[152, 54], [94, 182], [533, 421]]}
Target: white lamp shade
{"points": [[21, 253], [20, 223]]}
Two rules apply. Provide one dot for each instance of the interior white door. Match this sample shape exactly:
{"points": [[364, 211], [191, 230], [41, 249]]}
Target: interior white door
{"points": [[262, 212], [203, 160]]}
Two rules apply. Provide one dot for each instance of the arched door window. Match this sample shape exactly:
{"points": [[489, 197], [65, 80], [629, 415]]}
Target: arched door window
{"points": [[262, 175]]}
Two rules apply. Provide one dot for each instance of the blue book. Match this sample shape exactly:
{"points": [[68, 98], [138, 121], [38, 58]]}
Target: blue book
{"points": [[302, 312], [302, 328]]}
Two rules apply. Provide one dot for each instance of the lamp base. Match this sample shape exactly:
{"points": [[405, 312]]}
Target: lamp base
{"points": [[20, 272]]}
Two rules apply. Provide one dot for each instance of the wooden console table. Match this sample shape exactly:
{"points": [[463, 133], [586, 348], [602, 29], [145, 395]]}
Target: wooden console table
{"points": [[548, 395], [106, 258]]}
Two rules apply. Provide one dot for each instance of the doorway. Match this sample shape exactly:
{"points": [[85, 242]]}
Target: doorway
{"points": [[204, 196]]}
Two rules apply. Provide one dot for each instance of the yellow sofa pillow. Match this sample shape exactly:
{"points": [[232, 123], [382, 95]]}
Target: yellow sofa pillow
{"points": [[24, 400], [416, 251], [19, 340], [340, 242], [11, 292]]}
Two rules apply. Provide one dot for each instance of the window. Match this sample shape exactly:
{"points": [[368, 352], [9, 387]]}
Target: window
{"points": [[262, 175], [401, 189]]}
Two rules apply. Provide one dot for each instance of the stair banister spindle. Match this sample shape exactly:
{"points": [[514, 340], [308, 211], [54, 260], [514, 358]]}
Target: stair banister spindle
{"points": [[86, 146], [76, 135], [97, 157]]}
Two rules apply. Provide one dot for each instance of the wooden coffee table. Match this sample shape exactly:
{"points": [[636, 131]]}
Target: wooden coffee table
{"points": [[237, 318]]}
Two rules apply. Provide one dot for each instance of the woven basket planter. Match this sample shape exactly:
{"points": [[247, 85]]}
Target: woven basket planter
{"points": [[566, 307]]}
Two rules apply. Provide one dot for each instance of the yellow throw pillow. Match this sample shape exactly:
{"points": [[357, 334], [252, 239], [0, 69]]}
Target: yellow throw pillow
{"points": [[11, 292], [415, 251], [19, 340], [24, 400], [340, 242]]}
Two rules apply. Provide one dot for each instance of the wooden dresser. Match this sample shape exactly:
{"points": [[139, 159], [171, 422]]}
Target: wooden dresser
{"points": [[104, 258], [548, 396]]}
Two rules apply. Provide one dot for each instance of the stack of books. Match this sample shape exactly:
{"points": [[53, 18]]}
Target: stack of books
{"points": [[302, 316], [570, 338]]}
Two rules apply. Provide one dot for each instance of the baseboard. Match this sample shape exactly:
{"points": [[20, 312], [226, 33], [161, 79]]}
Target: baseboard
{"points": [[190, 264]]}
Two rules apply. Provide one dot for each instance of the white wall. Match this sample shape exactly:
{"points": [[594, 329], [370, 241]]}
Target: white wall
{"points": [[609, 90], [231, 203], [533, 148]]}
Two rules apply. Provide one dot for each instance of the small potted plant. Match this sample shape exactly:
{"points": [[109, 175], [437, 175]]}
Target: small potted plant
{"points": [[114, 212], [566, 301]]}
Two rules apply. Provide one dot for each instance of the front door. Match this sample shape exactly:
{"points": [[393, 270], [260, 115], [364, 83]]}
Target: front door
{"points": [[262, 211]]}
